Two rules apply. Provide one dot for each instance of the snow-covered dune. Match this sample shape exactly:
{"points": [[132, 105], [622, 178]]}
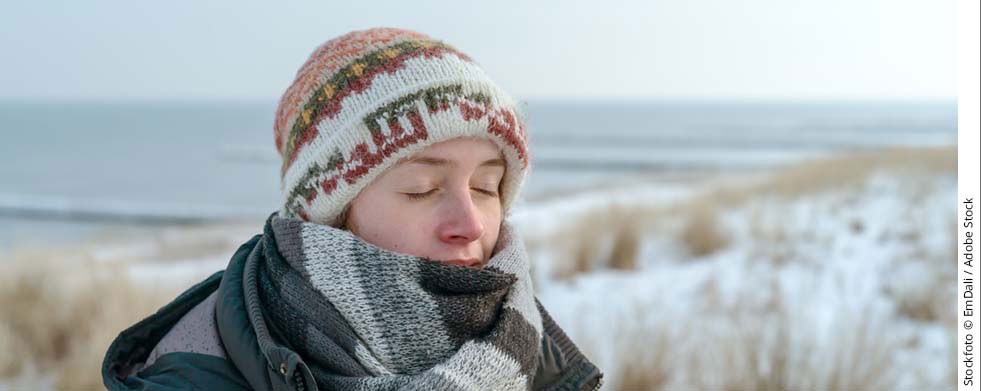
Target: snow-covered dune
{"points": [[836, 274]]}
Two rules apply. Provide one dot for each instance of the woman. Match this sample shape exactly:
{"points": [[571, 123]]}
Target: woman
{"points": [[391, 264]]}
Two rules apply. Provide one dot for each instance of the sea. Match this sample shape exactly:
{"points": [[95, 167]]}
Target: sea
{"points": [[70, 170]]}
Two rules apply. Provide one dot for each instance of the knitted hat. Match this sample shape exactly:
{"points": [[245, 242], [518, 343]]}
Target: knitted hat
{"points": [[369, 98]]}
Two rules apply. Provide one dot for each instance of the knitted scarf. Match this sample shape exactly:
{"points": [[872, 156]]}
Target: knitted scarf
{"points": [[366, 318]]}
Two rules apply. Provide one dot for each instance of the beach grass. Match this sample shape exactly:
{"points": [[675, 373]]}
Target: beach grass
{"points": [[60, 314]]}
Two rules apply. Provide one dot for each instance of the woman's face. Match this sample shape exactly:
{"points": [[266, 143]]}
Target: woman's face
{"points": [[442, 203]]}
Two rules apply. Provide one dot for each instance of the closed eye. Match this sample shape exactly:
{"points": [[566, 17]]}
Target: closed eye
{"points": [[417, 196], [486, 192]]}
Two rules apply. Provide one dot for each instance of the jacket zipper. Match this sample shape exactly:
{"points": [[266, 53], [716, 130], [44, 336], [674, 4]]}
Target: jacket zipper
{"points": [[298, 379]]}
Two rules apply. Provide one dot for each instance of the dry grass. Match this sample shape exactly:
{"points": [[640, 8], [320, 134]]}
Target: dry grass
{"points": [[740, 344], [842, 171], [649, 350], [748, 345], [770, 356], [58, 317], [600, 238], [702, 235], [932, 299]]}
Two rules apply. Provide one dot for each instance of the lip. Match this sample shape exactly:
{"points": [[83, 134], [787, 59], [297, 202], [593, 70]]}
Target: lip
{"points": [[470, 262]]}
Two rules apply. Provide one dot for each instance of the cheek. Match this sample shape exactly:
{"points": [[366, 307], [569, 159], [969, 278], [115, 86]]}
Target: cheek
{"points": [[389, 235], [492, 230], [392, 225]]}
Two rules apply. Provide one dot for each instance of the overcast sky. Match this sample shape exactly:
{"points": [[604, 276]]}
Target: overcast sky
{"points": [[727, 49]]}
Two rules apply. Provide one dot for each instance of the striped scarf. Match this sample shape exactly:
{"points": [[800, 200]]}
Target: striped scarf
{"points": [[366, 318]]}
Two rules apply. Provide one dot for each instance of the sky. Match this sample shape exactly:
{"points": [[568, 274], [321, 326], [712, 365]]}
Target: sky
{"points": [[655, 49]]}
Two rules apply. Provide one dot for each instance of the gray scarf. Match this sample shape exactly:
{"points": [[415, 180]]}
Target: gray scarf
{"points": [[366, 318]]}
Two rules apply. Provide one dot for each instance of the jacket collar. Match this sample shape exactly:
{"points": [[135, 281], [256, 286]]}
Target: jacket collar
{"points": [[264, 363]]}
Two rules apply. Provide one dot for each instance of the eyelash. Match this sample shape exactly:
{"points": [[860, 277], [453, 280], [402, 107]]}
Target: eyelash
{"points": [[418, 196]]}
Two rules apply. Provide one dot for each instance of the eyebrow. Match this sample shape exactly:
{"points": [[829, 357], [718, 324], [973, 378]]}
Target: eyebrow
{"points": [[434, 161]]}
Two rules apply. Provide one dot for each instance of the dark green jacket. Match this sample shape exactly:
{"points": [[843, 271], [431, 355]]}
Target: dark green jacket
{"points": [[252, 362]]}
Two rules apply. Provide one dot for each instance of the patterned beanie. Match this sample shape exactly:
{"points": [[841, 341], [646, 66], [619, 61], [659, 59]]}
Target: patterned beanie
{"points": [[369, 98]]}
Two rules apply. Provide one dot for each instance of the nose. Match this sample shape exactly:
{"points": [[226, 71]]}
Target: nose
{"points": [[461, 219]]}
